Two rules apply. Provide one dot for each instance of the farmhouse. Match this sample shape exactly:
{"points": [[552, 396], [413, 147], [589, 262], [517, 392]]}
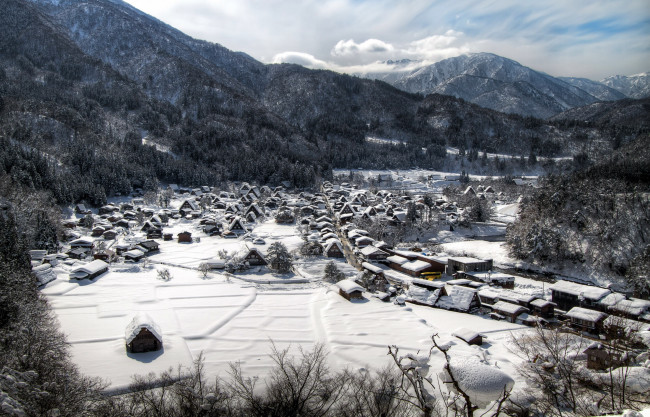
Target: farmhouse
{"points": [[566, 294], [90, 270], [349, 289], [333, 249], [253, 256], [143, 335], [459, 299], [585, 319]]}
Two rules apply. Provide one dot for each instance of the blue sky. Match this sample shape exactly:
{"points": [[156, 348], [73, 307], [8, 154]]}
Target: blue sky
{"points": [[591, 39]]}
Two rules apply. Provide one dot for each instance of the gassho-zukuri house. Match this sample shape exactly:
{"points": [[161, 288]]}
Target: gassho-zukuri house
{"points": [[143, 335]]}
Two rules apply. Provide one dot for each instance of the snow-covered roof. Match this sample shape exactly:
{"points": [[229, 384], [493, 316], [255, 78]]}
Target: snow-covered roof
{"points": [[586, 291], [627, 324], [372, 268], [332, 242], [397, 260], [492, 276], [82, 241], [508, 307], [371, 250], [612, 299], [349, 286], [505, 294], [539, 302], [465, 334], [90, 268], [416, 266], [427, 283], [633, 306], [465, 259], [585, 314], [141, 321], [459, 298], [423, 295], [134, 253]]}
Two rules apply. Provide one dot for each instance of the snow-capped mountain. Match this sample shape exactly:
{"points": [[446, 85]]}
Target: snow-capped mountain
{"points": [[633, 86], [595, 88], [497, 83]]}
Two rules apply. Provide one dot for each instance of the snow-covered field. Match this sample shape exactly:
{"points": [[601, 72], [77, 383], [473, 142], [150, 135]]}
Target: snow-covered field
{"points": [[235, 318]]}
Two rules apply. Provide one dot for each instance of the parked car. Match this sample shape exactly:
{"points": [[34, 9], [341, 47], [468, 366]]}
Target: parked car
{"points": [[259, 241]]}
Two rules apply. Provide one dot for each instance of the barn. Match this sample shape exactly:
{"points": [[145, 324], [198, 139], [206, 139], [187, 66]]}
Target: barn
{"points": [[143, 335]]}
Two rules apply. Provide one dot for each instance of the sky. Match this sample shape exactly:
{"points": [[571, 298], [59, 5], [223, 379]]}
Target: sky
{"points": [[591, 39]]}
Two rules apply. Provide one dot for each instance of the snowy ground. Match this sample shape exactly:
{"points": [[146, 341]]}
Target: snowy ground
{"points": [[234, 318]]}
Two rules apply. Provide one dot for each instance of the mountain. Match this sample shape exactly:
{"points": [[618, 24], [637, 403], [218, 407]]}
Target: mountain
{"points": [[85, 85], [597, 89], [627, 112], [497, 83], [633, 86]]}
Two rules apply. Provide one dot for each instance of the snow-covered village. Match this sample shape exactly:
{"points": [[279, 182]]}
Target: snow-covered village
{"points": [[155, 280], [244, 208]]}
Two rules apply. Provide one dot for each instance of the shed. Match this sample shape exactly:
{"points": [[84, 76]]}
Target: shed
{"points": [[468, 336], [600, 356], [349, 289], [143, 335], [184, 237]]}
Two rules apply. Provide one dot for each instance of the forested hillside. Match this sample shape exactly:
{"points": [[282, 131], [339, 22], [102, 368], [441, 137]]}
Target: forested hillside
{"points": [[596, 220]]}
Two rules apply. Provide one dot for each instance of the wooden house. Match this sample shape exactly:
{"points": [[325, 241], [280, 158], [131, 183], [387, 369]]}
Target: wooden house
{"points": [[586, 320], [237, 225], [184, 237], [333, 249], [566, 294], [143, 335], [460, 299], [109, 235], [168, 236], [349, 289], [133, 255], [150, 246], [468, 336], [601, 357], [466, 264], [374, 254], [188, 206], [508, 310], [90, 270], [253, 256], [105, 255], [542, 308]]}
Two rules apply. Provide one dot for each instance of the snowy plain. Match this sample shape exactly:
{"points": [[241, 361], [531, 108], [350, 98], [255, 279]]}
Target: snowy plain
{"points": [[235, 318]]}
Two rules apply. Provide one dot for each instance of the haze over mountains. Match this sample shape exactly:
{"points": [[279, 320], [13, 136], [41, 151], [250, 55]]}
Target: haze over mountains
{"points": [[504, 85], [82, 82]]}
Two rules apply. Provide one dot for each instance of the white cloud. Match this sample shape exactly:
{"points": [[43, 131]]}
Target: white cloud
{"points": [[350, 47], [300, 58], [594, 39]]}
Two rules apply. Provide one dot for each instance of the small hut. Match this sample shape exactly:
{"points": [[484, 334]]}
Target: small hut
{"points": [[468, 336], [143, 335], [349, 289], [184, 237]]}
